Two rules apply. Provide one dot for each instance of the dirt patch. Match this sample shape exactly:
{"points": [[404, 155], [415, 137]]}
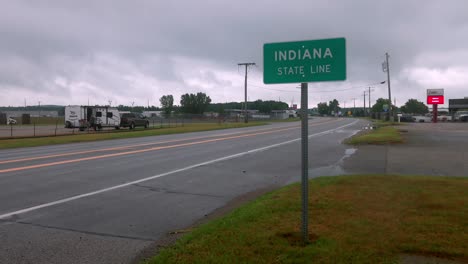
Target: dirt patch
{"points": [[419, 259], [295, 238]]}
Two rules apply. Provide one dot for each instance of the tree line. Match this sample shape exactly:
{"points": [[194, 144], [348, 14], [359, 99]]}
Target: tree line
{"points": [[199, 103], [412, 106]]}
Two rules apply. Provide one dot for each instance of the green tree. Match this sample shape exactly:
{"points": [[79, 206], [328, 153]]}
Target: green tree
{"points": [[323, 109], [167, 103], [413, 106], [378, 106], [194, 103], [334, 106]]}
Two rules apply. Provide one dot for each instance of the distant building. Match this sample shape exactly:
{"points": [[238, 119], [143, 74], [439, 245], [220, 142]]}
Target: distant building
{"points": [[283, 114], [211, 114], [239, 112], [457, 105], [18, 114], [151, 113]]}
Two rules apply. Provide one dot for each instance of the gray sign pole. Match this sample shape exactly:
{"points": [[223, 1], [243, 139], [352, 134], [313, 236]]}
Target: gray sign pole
{"points": [[305, 162]]}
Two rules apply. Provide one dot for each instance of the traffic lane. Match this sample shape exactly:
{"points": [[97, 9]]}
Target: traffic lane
{"points": [[47, 160], [24, 189], [68, 157], [39, 153], [154, 207], [20, 153]]}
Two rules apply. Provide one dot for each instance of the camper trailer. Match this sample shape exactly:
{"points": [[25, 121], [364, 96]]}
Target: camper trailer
{"points": [[95, 117]]}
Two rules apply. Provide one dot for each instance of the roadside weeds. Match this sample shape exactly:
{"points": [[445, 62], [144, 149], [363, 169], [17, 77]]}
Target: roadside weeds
{"points": [[384, 133]]}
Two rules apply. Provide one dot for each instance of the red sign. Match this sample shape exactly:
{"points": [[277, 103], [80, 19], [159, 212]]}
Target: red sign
{"points": [[435, 99]]}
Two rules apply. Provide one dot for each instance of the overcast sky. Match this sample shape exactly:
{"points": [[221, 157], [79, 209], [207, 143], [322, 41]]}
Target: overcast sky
{"points": [[68, 52]]}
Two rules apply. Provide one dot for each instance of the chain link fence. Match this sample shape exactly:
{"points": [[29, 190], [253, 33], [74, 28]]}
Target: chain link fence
{"points": [[54, 126]]}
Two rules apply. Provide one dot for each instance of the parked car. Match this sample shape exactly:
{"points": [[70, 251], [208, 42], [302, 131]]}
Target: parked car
{"points": [[461, 116], [444, 118], [422, 119], [406, 118], [11, 121], [132, 120]]}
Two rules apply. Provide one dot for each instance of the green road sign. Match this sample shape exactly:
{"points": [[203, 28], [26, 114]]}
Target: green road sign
{"points": [[304, 61], [385, 107]]}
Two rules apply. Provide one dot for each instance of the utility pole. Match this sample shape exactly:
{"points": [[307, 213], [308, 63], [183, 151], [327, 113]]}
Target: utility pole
{"points": [[364, 95], [386, 68], [39, 102], [370, 106], [369, 100], [246, 64], [354, 109]]}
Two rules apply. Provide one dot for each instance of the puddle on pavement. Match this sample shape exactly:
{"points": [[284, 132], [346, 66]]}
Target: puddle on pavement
{"points": [[332, 170], [349, 152]]}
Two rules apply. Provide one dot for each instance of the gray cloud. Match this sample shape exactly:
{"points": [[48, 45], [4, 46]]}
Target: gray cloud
{"points": [[112, 49]]}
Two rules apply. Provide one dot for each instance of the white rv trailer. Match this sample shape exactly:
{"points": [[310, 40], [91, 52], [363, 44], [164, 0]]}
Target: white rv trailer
{"points": [[95, 117]]}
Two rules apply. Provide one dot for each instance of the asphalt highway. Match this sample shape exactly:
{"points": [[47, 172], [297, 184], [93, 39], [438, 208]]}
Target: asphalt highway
{"points": [[104, 202]]}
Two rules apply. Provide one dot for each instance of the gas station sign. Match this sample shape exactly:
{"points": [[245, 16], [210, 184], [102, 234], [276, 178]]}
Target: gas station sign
{"points": [[435, 99], [435, 96]]}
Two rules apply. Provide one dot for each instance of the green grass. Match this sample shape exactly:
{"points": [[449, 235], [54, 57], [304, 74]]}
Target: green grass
{"points": [[381, 135], [294, 119], [352, 219], [42, 141], [382, 123]]}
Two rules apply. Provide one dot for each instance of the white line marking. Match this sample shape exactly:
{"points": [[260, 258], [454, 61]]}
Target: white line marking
{"points": [[22, 211]]}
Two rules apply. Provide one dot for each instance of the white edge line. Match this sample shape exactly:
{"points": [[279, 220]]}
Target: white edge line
{"points": [[61, 201]]}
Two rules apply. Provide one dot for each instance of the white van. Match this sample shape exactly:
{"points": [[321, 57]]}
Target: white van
{"points": [[95, 117]]}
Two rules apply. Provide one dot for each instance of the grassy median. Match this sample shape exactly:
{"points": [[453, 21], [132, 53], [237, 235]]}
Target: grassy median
{"points": [[379, 136], [353, 219], [42, 141]]}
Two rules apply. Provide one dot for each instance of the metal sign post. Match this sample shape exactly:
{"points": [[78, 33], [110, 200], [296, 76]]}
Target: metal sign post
{"points": [[305, 162], [302, 62]]}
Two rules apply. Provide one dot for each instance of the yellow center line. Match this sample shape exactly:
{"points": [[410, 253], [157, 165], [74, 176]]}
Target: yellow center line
{"points": [[137, 151], [117, 148], [130, 146], [145, 150]]}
